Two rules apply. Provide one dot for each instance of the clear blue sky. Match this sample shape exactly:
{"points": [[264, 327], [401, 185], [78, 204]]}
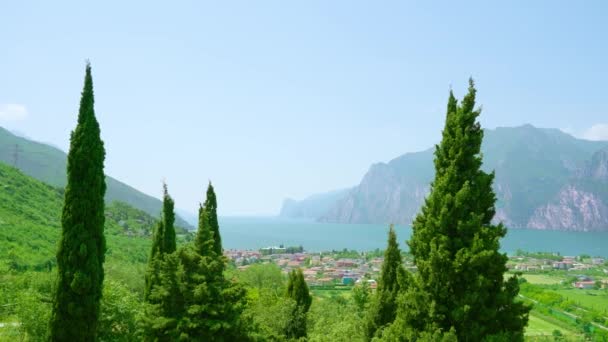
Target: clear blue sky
{"points": [[275, 99]]}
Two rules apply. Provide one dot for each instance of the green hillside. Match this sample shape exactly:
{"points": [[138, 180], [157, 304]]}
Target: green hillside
{"points": [[48, 164], [30, 213]]}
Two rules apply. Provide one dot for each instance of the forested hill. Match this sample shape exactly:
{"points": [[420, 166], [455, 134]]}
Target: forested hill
{"points": [[30, 222], [545, 179], [48, 164]]}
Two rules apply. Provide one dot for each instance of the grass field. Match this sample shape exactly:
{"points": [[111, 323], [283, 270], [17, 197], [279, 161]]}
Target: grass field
{"points": [[537, 326], [542, 279], [594, 299]]}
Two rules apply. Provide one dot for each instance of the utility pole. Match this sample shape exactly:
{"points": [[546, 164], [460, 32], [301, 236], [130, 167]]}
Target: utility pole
{"points": [[16, 152]]}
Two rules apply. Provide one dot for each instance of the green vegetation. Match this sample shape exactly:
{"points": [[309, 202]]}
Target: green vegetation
{"points": [[188, 296], [162, 284], [163, 243], [593, 299], [542, 279], [82, 245], [582, 319], [214, 226], [539, 255], [48, 164], [297, 290], [459, 288], [537, 326], [383, 307]]}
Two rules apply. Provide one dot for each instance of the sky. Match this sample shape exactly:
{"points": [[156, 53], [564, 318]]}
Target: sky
{"points": [[276, 99]]}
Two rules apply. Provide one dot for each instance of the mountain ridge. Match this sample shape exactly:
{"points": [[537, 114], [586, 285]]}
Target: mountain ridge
{"points": [[536, 171], [47, 163]]}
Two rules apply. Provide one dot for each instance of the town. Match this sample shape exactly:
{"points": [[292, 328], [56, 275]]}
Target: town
{"points": [[347, 268]]}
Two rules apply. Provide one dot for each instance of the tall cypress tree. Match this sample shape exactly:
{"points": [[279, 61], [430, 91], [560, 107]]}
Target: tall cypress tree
{"points": [[204, 241], [213, 304], [168, 239], [82, 246], [163, 242], [459, 283], [297, 289], [383, 309], [211, 208]]}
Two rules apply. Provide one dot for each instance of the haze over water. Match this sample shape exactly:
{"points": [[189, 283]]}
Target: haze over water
{"points": [[257, 232]]}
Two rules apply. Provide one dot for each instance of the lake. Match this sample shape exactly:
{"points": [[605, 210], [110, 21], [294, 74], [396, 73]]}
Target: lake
{"points": [[256, 232]]}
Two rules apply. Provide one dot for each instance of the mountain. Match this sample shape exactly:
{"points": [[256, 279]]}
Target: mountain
{"points": [[30, 224], [582, 203], [48, 164], [312, 206], [545, 179]]}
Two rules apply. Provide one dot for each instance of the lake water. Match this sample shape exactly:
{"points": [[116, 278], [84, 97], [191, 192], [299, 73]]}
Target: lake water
{"points": [[254, 233]]}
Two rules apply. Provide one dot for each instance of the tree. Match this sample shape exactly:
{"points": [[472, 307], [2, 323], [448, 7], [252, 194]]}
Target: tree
{"points": [[163, 242], [168, 218], [82, 246], [298, 291], [165, 303], [204, 241], [211, 208], [120, 307], [361, 295], [192, 300], [459, 285], [213, 303], [383, 308]]}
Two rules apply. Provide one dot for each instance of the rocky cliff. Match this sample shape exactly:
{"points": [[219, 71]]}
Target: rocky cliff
{"points": [[545, 179]]}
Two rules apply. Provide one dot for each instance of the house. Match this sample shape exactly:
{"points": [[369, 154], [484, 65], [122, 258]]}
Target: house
{"points": [[346, 263], [588, 284], [563, 265]]}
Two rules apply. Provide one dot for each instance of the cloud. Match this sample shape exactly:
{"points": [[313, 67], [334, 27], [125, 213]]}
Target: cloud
{"points": [[13, 112], [596, 132]]}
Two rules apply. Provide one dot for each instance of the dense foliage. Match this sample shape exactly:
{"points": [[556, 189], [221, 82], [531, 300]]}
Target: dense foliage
{"points": [[297, 290], [383, 307], [459, 285], [82, 245], [189, 297], [163, 242], [211, 210]]}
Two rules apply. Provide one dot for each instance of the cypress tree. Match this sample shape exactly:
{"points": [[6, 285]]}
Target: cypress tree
{"points": [[169, 244], [383, 309], [164, 280], [165, 303], [82, 245], [211, 208], [212, 305], [163, 242], [459, 284], [297, 289], [203, 241]]}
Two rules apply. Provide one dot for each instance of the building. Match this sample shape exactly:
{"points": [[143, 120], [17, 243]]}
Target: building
{"points": [[587, 284]]}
